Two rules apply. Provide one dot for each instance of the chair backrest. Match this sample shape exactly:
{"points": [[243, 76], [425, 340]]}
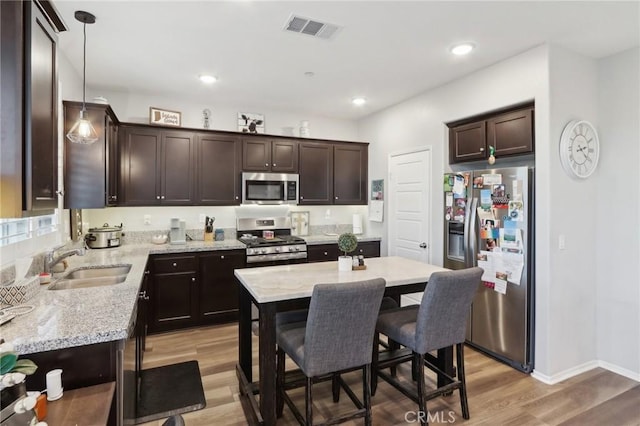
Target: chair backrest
{"points": [[442, 316], [340, 326]]}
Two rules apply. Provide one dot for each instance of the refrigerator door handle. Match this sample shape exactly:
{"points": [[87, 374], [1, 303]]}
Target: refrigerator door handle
{"points": [[472, 236]]}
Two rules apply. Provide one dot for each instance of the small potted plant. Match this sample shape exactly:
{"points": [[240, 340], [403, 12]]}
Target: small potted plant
{"points": [[12, 374], [347, 243]]}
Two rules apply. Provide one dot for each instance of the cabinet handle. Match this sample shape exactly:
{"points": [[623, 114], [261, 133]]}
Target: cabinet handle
{"points": [[45, 198], [222, 257], [175, 264], [146, 272], [274, 164], [266, 165], [193, 279], [336, 198], [481, 149], [157, 197], [301, 197], [361, 251], [326, 254], [162, 198], [236, 197]]}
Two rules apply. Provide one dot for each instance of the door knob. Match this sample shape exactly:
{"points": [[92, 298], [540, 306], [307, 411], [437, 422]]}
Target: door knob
{"points": [[423, 245]]}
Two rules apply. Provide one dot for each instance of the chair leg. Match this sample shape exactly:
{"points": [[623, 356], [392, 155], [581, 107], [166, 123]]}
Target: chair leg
{"points": [[418, 360], [366, 393], [308, 401], [335, 387], [461, 377], [374, 363], [279, 382], [393, 345]]}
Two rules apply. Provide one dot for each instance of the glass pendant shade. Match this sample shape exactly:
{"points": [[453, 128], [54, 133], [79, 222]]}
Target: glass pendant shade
{"points": [[82, 132]]}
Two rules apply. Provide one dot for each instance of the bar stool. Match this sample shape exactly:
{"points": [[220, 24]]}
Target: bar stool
{"points": [[438, 322], [340, 316]]}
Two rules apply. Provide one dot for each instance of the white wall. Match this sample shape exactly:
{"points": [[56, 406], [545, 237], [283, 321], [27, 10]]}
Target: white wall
{"points": [[134, 107], [617, 210]]}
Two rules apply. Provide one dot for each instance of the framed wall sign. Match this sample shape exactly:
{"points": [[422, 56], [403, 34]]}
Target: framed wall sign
{"points": [[165, 117], [250, 123]]}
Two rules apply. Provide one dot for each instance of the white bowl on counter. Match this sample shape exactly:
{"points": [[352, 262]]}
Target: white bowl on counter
{"points": [[159, 239]]}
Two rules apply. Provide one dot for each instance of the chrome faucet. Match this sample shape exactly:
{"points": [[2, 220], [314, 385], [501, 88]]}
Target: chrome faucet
{"points": [[50, 261]]}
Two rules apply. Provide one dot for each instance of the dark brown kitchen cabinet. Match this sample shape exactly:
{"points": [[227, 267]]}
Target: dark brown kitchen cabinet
{"points": [[174, 292], [29, 112], [90, 171], [330, 252], [509, 132], [156, 166], [350, 174], [217, 171], [269, 155], [316, 173], [218, 287]]}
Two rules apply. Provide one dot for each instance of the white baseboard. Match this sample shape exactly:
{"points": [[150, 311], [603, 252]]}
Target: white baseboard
{"points": [[574, 371]]}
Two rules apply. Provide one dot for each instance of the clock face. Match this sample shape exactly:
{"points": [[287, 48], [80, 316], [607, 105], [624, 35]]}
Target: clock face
{"points": [[579, 149]]}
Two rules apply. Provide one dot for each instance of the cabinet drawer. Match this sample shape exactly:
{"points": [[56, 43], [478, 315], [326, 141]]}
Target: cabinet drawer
{"points": [[322, 253], [367, 249], [169, 264]]}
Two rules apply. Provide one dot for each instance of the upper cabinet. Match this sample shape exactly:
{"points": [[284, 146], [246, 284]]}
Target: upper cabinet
{"points": [[269, 155], [333, 173], [217, 169], [510, 132], [29, 113], [156, 166], [91, 171]]}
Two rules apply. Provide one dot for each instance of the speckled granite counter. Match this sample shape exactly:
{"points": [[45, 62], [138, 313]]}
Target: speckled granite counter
{"points": [[84, 316], [329, 239], [77, 317]]}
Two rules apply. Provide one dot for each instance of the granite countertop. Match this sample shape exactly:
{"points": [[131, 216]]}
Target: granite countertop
{"points": [[328, 239], [284, 282], [84, 316]]}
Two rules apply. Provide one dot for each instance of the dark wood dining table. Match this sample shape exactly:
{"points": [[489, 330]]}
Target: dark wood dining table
{"points": [[279, 288]]}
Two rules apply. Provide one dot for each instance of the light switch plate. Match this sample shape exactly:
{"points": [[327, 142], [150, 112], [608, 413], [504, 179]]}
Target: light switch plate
{"points": [[147, 219]]}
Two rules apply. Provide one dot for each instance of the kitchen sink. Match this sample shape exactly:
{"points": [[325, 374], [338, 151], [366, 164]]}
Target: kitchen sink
{"points": [[92, 277], [103, 271]]}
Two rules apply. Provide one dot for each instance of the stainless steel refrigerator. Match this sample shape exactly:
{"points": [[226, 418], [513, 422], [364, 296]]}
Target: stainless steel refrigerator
{"points": [[489, 222]]}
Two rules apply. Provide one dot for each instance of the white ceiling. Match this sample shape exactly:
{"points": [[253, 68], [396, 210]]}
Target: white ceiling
{"points": [[387, 51]]}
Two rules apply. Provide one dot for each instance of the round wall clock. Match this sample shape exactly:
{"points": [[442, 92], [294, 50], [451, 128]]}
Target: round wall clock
{"points": [[579, 149]]}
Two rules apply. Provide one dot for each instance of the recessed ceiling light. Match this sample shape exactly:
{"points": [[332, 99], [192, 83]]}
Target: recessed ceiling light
{"points": [[208, 79], [462, 48], [309, 73], [358, 101]]}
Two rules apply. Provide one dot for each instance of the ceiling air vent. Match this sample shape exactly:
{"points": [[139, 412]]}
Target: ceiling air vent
{"points": [[312, 27]]}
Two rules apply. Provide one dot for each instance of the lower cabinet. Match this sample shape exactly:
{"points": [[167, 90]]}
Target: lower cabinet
{"points": [[330, 252], [218, 287], [193, 289]]}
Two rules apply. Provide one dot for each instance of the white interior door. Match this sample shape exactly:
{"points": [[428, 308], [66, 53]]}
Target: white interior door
{"points": [[409, 205]]}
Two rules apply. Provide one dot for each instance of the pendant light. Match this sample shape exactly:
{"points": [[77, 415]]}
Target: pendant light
{"points": [[83, 132]]}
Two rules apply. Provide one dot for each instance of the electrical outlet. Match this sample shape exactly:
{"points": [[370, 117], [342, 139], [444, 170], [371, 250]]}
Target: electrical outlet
{"points": [[201, 218], [147, 219], [561, 242]]}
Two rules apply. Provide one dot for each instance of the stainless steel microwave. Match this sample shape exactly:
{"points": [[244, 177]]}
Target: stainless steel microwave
{"points": [[270, 188]]}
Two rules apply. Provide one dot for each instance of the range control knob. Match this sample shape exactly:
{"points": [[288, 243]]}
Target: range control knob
{"points": [[277, 249]]}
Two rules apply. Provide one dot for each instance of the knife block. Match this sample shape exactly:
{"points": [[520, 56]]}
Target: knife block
{"points": [[208, 236]]}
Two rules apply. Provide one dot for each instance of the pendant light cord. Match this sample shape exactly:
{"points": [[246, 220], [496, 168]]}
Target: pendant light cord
{"points": [[84, 66]]}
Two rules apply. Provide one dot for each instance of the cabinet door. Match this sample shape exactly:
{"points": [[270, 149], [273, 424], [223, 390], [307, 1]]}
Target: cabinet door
{"points": [[349, 174], [511, 133], [322, 253], [218, 170], [84, 165], [140, 166], [218, 286], [316, 173], [174, 301], [256, 154], [467, 142], [177, 175], [284, 156], [41, 118], [112, 161]]}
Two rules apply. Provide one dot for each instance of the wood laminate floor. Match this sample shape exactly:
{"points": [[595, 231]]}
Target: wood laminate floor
{"points": [[498, 395]]}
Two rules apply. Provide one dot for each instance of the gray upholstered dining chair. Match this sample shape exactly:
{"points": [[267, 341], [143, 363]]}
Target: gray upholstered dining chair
{"points": [[438, 322], [340, 316]]}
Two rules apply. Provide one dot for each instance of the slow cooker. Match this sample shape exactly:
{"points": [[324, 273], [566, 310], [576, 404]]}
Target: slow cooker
{"points": [[104, 237]]}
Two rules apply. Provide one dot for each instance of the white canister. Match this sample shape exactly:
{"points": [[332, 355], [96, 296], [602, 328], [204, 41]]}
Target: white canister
{"points": [[54, 384], [357, 224], [345, 263]]}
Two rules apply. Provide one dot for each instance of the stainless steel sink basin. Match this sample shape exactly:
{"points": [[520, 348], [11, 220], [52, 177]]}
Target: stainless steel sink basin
{"points": [[66, 284], [103, 271], [92, 277]]}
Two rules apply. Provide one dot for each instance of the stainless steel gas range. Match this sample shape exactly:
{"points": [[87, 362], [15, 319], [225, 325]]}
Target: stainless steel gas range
{"points": [[269, 241]]}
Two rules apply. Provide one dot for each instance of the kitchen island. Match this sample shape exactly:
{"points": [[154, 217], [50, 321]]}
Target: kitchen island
{"points": [[277, 288]]}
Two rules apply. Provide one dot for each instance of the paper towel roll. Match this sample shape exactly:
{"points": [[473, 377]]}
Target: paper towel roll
{"points": [[357, 223]]}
